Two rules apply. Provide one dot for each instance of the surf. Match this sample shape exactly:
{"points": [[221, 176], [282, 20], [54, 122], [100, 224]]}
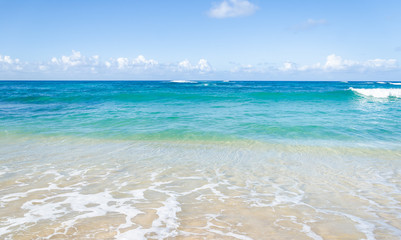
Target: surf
{"points": [[378, 92]]}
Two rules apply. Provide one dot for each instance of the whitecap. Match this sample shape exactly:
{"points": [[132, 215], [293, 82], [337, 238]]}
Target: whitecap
{"points": [[182, 81], [378, 92], [395, 83]]}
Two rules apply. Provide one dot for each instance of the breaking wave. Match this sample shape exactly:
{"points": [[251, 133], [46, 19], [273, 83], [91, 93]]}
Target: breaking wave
{"points": [[182, 81], [378, 92]]}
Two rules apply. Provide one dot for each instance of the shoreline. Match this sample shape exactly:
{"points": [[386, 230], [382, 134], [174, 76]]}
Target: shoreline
{"points": [[124, 190]]}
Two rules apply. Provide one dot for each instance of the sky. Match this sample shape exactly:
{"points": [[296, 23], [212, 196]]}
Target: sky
{"points": [[338, 40]]}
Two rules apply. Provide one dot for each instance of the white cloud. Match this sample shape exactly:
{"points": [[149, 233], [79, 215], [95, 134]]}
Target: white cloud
{"points": [[126, 64], [108, 64], [79, 66], [333, 63], [185, 65], [203, 66], [141, 60], [288, 66], [232, 8], [75, 61], [9, 64], [337, 63], [122, 62], [6, 60], [381, 63]]}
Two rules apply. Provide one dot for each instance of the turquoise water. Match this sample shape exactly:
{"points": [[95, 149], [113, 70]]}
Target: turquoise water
{"points": [[200, 160], [291, 112]]}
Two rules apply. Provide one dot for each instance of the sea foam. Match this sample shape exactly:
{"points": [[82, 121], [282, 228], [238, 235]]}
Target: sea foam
{"points": [[378, 92]]}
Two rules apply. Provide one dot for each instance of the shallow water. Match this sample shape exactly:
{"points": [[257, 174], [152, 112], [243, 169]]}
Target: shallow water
{"points": [[87, 189], [63, 175]]}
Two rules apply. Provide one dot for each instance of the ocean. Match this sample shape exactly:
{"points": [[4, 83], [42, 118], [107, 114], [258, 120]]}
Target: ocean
{"points": [[200, 160]]}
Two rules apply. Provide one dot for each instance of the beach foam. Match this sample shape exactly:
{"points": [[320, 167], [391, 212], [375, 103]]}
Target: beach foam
{"points": [[150, 190]]}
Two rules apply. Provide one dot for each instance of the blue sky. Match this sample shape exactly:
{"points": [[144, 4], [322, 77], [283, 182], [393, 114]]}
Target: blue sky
{"points": [[222, 39]]}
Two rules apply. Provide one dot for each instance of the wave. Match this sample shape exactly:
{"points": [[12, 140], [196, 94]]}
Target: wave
{"points": [[378, 92], [182, 81], [395, 83], [381, 82]]}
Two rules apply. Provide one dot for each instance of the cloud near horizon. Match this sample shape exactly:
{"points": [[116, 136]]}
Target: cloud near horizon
{"points": [[9, 64], [337, 63], [333, 64], [232, 8], [78, 66], [76, 63]]}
